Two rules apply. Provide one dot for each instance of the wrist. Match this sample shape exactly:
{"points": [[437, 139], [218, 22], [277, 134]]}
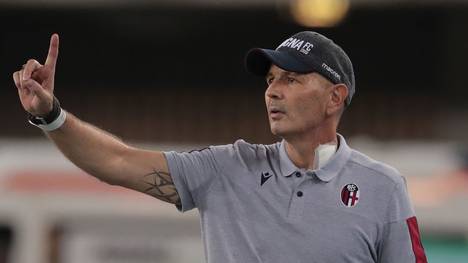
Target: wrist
{"points": [[52, 120]]}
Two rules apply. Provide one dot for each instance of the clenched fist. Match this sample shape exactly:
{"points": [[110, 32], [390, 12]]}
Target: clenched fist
{"points": [[35, 82]]}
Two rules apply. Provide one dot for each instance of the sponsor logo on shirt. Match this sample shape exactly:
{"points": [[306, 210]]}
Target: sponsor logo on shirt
{"points": [[265, 176]]}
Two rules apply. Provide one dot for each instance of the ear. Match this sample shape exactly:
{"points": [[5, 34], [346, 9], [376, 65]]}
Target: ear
{"points": [[338, 96]]}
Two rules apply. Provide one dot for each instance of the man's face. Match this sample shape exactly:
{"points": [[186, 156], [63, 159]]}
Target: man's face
{"points": [[296, 103]]}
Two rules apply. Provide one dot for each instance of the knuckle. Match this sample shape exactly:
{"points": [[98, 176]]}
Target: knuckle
{"points": [[31, 61]]}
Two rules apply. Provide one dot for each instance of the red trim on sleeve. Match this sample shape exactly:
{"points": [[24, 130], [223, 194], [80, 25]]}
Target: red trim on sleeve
{"points": [[416, 240]]}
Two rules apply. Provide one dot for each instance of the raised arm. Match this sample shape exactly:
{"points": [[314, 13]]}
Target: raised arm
{"points": [[93, 150]]}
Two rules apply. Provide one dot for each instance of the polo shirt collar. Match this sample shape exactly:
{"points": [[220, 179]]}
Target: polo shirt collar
{"points": [[287, 167], [325, 173]]}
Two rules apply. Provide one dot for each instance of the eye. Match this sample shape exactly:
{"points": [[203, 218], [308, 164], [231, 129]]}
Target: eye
{"points": [[269, 80], [291, 80]]}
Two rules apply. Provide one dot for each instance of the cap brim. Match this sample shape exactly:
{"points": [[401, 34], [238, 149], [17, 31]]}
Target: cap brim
{"points": [[258, 61]]}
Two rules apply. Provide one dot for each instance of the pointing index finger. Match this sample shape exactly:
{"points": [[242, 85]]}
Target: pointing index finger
{"points": [[53, 51]]}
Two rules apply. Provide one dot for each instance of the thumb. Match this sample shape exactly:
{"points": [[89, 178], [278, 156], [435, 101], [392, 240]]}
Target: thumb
{"points": [[43, 95]]}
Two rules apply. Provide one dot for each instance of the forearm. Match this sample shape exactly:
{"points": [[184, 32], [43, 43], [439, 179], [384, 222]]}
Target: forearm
{"points": [[90, 148], [110, 160]]}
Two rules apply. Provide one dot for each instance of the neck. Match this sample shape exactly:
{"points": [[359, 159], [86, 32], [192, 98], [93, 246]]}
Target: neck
{"points": [[301, 149]]}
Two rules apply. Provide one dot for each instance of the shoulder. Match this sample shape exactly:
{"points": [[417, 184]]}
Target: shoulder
{"points": [[375, 168], [242, 149], [244, 153]]}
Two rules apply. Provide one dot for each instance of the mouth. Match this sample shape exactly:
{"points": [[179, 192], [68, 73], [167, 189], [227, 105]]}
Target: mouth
{"points": [[275, 113]]}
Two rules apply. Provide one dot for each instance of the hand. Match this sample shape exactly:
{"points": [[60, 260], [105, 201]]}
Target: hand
{"points": [[35, 82]]}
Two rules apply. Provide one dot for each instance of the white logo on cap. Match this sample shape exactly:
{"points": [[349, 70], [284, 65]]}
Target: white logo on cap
{"points": [[329, 69], [298, 44]]}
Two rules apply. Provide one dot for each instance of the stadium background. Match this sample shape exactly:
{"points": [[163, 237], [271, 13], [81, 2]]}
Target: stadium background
{"points": [[169, 75]]}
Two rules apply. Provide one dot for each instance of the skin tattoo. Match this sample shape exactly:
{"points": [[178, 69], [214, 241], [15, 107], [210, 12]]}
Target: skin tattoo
{"points": [[162, 187]]}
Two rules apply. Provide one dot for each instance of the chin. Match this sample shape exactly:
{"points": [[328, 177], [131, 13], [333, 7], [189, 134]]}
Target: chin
{"points": [[284, 131], [277, 130]]}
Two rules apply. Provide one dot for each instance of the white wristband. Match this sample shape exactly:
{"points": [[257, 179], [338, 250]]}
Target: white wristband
{"points": [[57, 123]]}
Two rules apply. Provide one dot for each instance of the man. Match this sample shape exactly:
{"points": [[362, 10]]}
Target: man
{"points": [[309, 198]]}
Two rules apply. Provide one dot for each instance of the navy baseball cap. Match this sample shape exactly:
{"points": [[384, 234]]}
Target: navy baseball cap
{"points": [[305, 52]]}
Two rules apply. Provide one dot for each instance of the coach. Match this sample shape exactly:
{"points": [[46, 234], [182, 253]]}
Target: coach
{"points": [[308, 198]]}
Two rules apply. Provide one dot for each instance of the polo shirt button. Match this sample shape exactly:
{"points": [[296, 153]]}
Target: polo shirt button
{"points": [[298, 174], [299, 193]]}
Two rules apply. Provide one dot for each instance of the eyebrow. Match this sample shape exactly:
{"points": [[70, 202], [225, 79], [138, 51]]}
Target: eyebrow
{"points": [[295, 74], [284, 73]]}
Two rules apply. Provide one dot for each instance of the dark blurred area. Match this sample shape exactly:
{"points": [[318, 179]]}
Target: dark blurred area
{"points": [[170, 73], [6, 240]]}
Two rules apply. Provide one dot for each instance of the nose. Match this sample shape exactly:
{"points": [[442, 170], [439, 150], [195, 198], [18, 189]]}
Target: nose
{"points": [[274, 90]]}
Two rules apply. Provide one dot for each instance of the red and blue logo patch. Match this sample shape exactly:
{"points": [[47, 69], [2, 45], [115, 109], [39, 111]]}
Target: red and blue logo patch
{"points": [[350, 195]]}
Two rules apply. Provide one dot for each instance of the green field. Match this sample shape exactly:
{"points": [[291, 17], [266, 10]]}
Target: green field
{"points": [[446, 250]]}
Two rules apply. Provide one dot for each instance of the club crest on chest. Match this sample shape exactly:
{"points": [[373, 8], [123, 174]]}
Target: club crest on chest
{"points": [[350, 195]]}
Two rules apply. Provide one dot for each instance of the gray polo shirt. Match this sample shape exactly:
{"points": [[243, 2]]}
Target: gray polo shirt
{"points": [[257, 206]]}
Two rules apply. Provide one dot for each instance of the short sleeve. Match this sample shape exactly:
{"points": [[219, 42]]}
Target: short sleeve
{"points": [[193, 173], [401, 239], [399, 206]]}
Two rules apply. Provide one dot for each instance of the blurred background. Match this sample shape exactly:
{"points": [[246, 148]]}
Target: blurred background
{"points": [[168, 75]]}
